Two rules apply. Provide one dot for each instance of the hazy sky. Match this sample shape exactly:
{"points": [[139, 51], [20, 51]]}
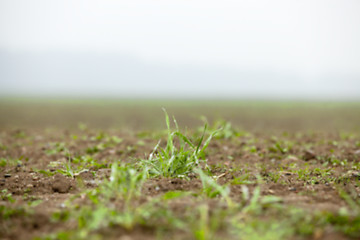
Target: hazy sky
{"points": [[307, 48]]}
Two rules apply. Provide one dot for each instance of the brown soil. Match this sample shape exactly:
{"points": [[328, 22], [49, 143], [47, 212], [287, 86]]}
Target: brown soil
{"points": [[230, 159]]}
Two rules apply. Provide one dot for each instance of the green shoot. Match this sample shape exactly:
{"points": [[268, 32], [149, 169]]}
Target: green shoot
{"points": [[212, 189], [180, 156]]}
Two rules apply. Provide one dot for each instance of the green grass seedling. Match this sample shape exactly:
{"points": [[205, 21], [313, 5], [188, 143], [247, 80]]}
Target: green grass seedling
{"points": [[125, 182], [69, 170], [180, 156], [203, 232], [256, 203], [212, 189], [124, 186], [261, 230], [5, 195], [10, 162]]}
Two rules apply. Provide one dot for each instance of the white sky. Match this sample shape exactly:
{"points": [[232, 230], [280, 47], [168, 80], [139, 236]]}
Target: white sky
{"points": [[310, 39]]}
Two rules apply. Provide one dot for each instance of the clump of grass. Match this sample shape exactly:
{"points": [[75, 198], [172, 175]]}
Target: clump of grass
{"points": [[212, 189], [125, 182], [5, 195], [261, 229], [116, 203], [11, 161], [113, 202], [68, 169], [180, 156], [55, 148]]}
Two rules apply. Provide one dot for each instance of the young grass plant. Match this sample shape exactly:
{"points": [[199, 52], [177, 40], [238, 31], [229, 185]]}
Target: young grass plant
{"points": [[212, 189], [68, 169], [256, 203], [113, 203], [125, 182], [254, 229], [180, 156], [202, 232]]}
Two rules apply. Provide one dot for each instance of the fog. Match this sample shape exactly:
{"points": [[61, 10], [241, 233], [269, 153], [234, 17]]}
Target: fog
{"points": [[182, 49]]}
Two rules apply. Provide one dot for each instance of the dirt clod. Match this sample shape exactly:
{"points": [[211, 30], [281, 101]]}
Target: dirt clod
{"points": [[61, 184], [309, 155], [86, 175], [357, 152]]}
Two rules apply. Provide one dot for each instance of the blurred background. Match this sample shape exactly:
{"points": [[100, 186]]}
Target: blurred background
{"points": [[231, 59]]}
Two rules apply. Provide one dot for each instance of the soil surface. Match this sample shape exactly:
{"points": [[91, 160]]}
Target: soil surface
{"points": [[44, 170]]}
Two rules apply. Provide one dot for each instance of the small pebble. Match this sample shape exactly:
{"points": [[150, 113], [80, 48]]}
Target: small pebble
{"points": [[29, 186], [357, 152], [18, 168], [157, 188], [308, 155], [125, 237], [191, 175], [292, 189], [90, 182]]}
